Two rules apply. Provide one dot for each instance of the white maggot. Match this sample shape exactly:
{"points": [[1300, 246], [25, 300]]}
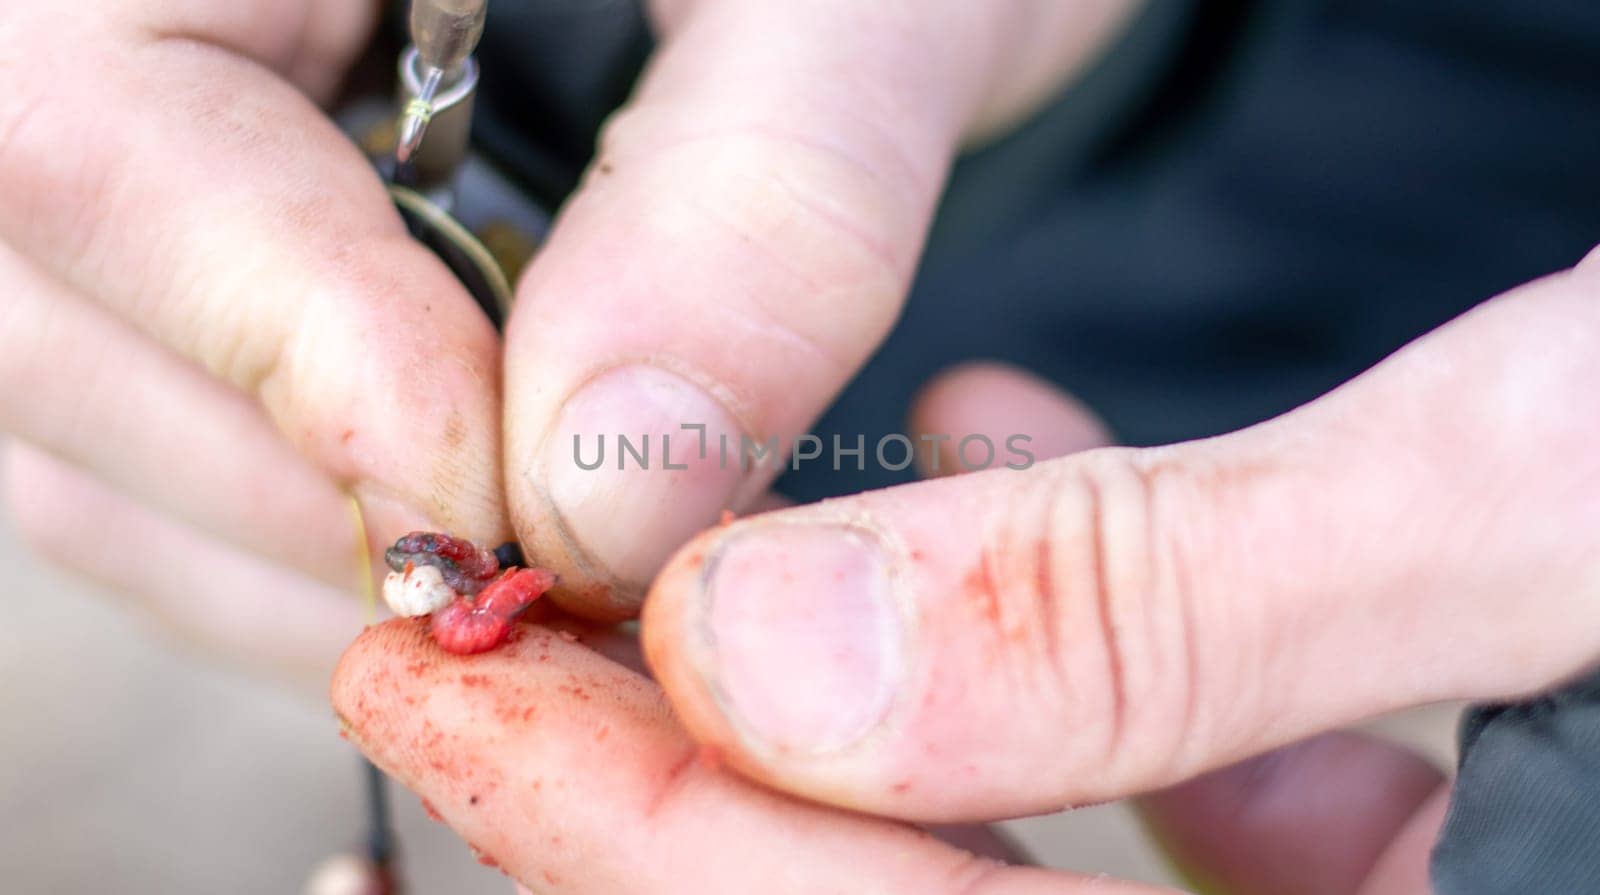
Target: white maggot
{"points": [[420, 591]]}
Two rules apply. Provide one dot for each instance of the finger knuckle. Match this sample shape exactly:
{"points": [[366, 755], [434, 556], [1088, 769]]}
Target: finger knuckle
{"points": [[1103, 591], [809, 224]]}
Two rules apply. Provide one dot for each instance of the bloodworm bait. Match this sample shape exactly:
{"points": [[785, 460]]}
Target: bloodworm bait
{"points": [[472, 601]]}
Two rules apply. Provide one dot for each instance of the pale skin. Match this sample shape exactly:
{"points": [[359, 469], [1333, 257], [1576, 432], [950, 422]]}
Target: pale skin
{"points": [[1108, 623]]}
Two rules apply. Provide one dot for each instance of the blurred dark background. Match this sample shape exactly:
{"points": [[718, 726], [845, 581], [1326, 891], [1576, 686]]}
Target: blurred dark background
{"points": [[1243, 205]]}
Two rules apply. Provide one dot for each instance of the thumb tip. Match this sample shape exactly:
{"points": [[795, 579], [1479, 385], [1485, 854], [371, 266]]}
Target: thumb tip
{"points": [[665, 625], [672, 642], [635, 461], [778, 637]]}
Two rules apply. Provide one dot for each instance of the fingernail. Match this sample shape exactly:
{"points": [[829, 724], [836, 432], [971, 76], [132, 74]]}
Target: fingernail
{"points": [[803, 635], [629, 473]]}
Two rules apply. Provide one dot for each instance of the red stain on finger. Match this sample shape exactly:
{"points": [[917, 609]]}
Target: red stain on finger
{"points": [[710, 757], [981, 589]]}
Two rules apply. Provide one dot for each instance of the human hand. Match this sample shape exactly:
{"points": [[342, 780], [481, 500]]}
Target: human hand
{"points": [[742, 242], [1009, 642], [1124, 620], [563, 766], [215, 325]]}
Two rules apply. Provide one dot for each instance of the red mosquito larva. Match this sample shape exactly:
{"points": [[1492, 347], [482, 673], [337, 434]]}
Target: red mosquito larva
{"points": [[463, 565], [472, 626], [462, 586]]}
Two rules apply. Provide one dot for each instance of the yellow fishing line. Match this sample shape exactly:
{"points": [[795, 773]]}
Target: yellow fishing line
{"points": [[418, 108], [368, 587]]}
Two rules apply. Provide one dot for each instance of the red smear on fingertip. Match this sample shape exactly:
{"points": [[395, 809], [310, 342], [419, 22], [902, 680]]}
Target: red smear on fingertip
{"points": [[710, 757]]}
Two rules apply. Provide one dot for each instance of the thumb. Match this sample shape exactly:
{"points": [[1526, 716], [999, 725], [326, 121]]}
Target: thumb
{"points": [[1009, 641], [741, 245]]}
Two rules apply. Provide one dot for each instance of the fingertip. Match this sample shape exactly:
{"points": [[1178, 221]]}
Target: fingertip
{"points": [[399, 398], [1403, 868], [672, 641], [1012, 408], [638, 458], [354, 690], [779, 642], [1313, 817]]}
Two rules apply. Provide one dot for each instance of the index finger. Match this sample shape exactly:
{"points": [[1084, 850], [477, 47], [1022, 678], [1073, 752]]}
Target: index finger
{"points": [[568, 772], [229, 219]]}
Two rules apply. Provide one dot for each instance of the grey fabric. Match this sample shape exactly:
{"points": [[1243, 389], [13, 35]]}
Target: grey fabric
{"points": [[1525, 813]]}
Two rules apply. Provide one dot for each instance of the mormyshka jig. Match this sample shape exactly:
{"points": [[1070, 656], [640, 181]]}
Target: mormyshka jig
{"points": [[471, 594]]}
